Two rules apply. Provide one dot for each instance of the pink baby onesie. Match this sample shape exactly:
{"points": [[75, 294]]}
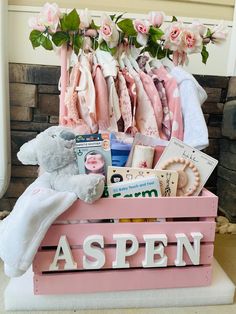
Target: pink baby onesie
{"points": [[153, 95], [102, 102], [114, 106], [71, 95], [145, 117], [109, 69], [166, 125], [72, 118], [130, 83], [86, 94], [173, 98], [125, 102]]}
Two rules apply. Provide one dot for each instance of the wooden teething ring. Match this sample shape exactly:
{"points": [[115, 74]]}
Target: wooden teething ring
{"points": [[183, 178]]}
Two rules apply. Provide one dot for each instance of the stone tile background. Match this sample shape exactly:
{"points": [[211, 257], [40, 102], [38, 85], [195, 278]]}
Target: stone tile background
{"points": [[34, 104]]}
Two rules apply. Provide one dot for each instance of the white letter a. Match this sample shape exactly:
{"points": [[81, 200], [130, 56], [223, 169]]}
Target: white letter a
{"points": [[63, 252]]}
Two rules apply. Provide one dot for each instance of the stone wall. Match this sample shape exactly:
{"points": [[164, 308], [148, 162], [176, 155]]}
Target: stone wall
{"points": [[34, 107], [226, 183]]}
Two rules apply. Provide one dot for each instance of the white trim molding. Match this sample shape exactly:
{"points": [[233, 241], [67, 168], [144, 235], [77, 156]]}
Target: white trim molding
{"points": [[231, 68], [5, 161]]}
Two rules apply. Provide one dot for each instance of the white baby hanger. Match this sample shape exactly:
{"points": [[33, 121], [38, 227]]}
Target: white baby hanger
{"points": [[156, 63], [147, 65], [134, 63], [167, 63], [120, 57], [127, 63]]}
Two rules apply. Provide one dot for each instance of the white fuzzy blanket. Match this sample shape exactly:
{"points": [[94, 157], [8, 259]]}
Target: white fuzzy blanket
{"points": [[23, 230]]}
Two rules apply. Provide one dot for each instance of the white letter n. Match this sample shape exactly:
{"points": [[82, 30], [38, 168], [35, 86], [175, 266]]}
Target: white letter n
{"points": [[193, 252]]}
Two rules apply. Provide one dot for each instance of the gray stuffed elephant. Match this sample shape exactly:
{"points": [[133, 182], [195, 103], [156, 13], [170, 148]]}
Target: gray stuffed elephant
{"points": [[53, 151]]}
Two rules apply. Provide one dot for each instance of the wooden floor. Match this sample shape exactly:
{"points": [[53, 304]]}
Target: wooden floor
{"points": [[225, 253]]}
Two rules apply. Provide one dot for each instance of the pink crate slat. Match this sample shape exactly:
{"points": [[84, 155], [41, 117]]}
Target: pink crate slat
{"points": [[162, 207], [122, 280], [207, 219], [43, 259], [76, 233]]}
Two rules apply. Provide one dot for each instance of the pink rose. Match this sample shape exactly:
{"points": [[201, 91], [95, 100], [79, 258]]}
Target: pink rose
{"points": [[85, 19], [50, 14], [173, 36], [48, 17], [202, 29], [156, 18], [108, 31], [35, 23], [192, 41], [219, 33], [142, 28]]}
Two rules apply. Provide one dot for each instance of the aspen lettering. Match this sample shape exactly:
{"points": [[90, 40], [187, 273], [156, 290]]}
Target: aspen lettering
{"points": [[126, 245]]}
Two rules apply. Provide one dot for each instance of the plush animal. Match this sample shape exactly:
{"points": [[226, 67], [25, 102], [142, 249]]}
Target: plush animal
{"points": [[53, 151], [224, 226]]}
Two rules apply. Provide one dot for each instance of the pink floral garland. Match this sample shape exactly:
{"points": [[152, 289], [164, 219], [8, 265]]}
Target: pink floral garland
{"points": [[52, 27]]}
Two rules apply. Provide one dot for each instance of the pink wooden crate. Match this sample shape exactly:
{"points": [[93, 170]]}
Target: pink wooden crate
{"points": [[184, 215]]}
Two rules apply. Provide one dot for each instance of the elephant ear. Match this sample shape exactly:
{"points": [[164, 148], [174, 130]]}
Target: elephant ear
{"points": [[53, 152], [28, 153]]}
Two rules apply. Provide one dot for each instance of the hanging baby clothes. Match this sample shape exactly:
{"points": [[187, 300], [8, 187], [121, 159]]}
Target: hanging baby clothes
{"points": [[192, 97], [102, 102], [125, 102], [71, 95], [114, 104], [86, 94], [109, 69], [164, 126], [173, 98], [145, 117], [153, 95], [72, 118], [130, 83]]}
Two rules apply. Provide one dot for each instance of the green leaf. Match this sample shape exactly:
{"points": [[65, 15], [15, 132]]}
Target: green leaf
{"points": [[205, 54], [127, 27], [174, 19], [119, 17], [136, 44], [104, 46], [77, 43], [94, 26], [70, 22], [46, 43], [94, 44], [156, 33], [35, 38], [60, 38], [152, 49], [112, 17], [63, 23], [113, 51], [161, 53], [73, 20], [209, 33]]}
